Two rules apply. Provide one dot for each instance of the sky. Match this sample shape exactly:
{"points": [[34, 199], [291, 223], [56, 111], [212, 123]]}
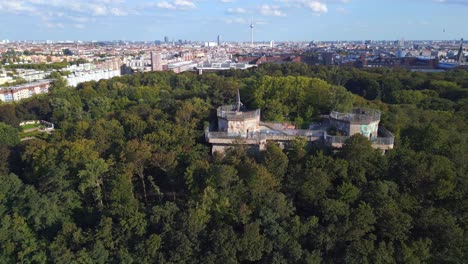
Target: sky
{"points": [[204, 20]]}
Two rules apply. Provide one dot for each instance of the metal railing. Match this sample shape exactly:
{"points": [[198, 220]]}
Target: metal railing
{"points": [[357, 115], [334, 139], [385, 133], [228, 108], [342, 139], [229, 112], [310, 135], [302, 133], [288, 135], [383, 141], [225, 135]]}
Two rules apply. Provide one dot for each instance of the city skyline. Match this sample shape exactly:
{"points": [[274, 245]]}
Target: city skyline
{"points": [[199, 20]]}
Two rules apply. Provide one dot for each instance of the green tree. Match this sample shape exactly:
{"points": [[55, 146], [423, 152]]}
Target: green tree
{"points": [[9, 135], [276, 161]]}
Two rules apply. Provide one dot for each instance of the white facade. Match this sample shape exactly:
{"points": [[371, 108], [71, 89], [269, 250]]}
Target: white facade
{"points": [[211, 44], [182, 66], [4, 78], [33, 75], [94, 75], [81, 67], [20, 92]]}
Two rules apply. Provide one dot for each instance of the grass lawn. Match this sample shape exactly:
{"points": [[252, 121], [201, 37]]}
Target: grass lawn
{"points": [[30, 134], [30, 126]]}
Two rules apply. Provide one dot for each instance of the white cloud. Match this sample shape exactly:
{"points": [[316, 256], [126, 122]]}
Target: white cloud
{"points": [[237, 20], [98, 10], [457, 2], [184, 4], [268, 10], [16, 7], [261, 22], [165, 5], [40, 7], [176, 5], [236, 10], [55, 25], [57, 14], [316, 7], [118, 12], [341, 10], [80, 19]]}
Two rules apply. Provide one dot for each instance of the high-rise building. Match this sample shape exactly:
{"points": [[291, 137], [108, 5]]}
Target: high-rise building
{"points": [[166, 39], [219, 40], [401, 43], [156, 59]]}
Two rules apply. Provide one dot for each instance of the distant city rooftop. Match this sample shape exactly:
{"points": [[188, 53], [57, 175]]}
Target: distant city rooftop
{"points": [[21, 86]]}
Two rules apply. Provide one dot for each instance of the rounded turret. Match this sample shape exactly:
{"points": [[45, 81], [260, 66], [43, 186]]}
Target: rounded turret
{"points": [[359, 121], [236, 120]]}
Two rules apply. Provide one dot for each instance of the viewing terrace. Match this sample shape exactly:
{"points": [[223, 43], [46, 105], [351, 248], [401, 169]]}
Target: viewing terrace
{"points": [[264, 135], [357, 115], [232, 113], [384, 141], [238, 126]]}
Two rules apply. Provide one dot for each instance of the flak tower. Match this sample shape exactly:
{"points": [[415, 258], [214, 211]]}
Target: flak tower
{"points": [[236, 120]]}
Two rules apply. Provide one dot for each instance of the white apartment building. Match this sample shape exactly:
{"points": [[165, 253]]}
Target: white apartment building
{"points": [[80, 67], [33, 75], [23, 91], [93, 75], [4, 78]]}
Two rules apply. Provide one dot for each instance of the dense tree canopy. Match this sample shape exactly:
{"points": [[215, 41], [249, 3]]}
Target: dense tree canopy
{"points": [[128, 178]]}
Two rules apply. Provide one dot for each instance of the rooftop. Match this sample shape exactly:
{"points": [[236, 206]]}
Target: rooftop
{"points": [[26, 85]]}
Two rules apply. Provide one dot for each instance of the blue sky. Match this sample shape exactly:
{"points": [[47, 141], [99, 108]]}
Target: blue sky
{"points": [[278, 20]]}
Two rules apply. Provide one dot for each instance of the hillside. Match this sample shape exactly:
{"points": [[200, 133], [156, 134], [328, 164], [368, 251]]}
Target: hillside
{"points": [[127, 177]]}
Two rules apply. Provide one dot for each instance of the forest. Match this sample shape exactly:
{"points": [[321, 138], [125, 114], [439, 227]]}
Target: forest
{"points": [[127, 176]]}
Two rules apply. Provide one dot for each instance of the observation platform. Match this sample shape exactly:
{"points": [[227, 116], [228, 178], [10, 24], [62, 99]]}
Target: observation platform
{"points": [[235, 113], [357, 115], [238, 126]]}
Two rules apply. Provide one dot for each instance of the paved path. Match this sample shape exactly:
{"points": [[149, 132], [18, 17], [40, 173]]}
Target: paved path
{"points": [[30, 130], [27, 138]]}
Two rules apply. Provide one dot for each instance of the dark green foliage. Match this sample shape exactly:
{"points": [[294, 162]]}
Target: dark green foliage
{"points": [[128, 178], [39, 66], [8, 135]]}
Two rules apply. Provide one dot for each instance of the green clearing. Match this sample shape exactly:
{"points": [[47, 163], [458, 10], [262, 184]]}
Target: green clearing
{"points": [[30, 134], [29, 126]]}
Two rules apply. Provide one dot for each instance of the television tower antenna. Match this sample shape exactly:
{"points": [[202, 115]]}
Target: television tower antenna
{"points": [[460, 55], [252, 32]]}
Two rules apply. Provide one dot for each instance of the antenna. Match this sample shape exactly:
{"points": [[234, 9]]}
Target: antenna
{"points": [[460, 55], [251, 31]]}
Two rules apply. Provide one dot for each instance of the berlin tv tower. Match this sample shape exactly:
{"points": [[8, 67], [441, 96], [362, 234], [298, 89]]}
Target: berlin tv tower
{"points": [[251, 33]]}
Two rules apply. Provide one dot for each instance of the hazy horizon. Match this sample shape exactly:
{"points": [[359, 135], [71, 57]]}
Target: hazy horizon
{"points": [[203, 20]]}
